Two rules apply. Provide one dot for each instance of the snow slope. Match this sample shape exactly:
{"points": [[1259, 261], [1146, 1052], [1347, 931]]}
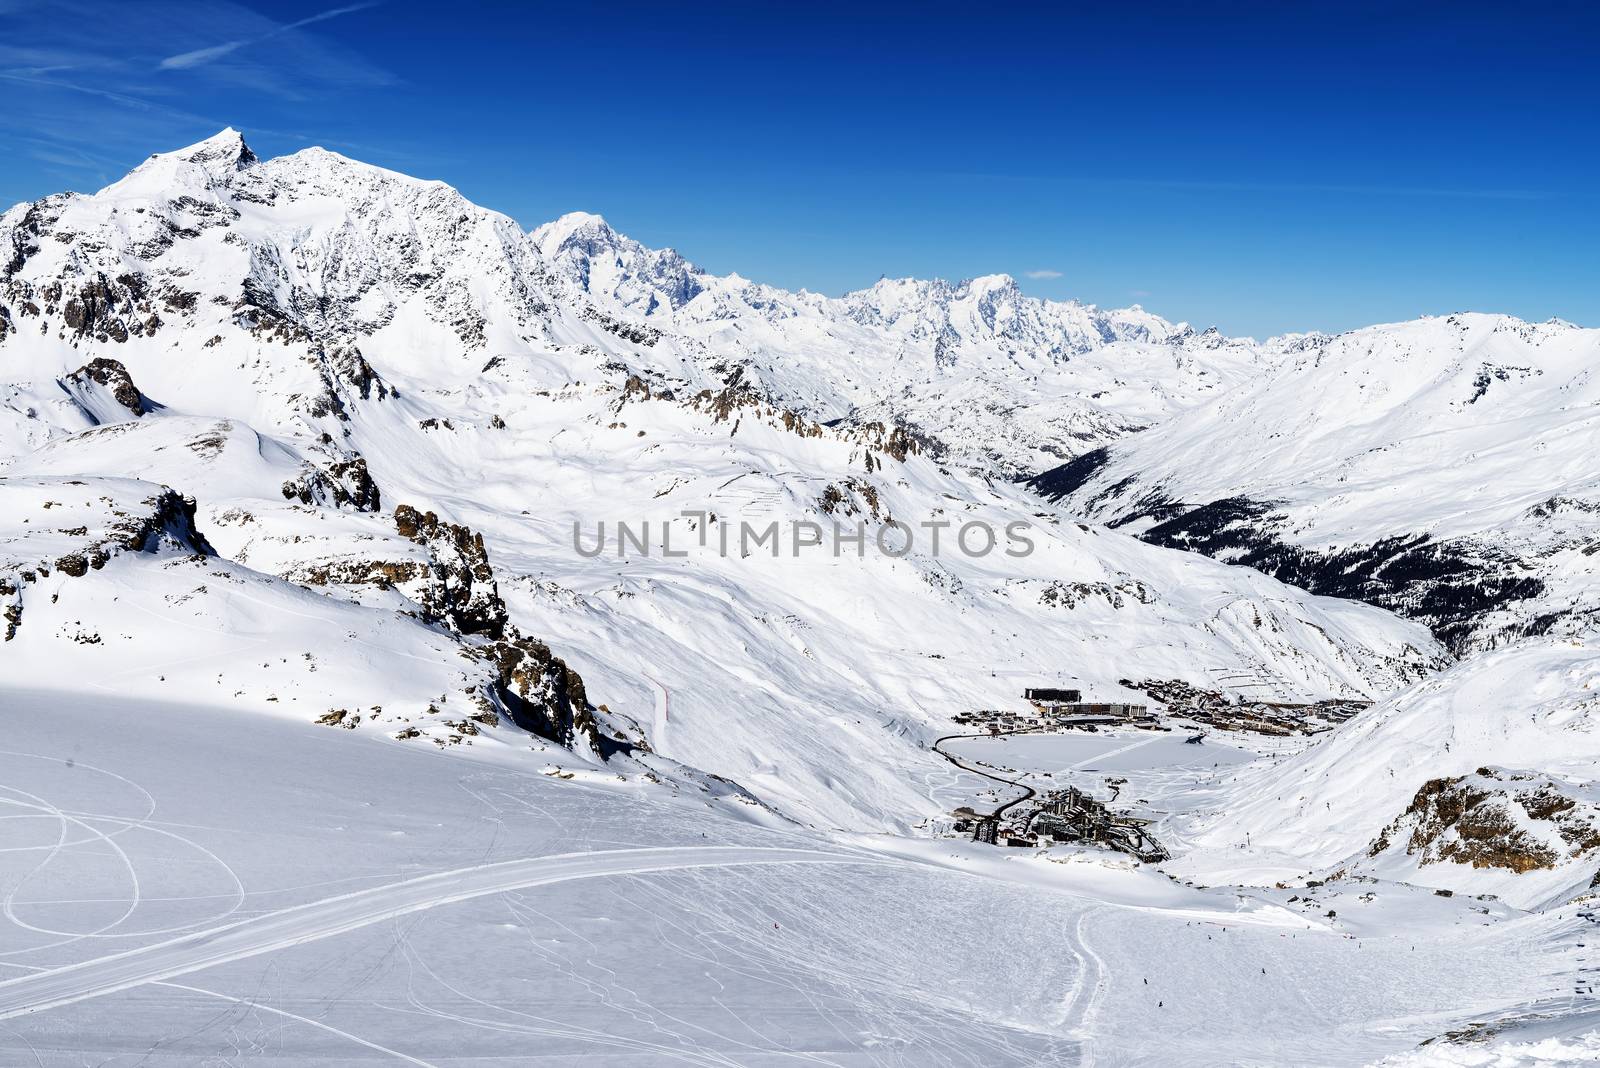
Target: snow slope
{"points": [[147, 838], [1529, 710], [1442, 467]]}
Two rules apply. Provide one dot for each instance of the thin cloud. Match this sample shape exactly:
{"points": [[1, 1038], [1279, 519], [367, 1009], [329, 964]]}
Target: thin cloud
{"points": [[201, 56], [1041, 275]]}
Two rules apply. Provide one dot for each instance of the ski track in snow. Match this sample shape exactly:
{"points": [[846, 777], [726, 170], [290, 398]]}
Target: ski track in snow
{"points": [[347, 912], [257, 1006], [1083, 1000]]}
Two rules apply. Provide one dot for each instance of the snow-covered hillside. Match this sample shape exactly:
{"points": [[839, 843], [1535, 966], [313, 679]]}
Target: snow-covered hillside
{"points": [[414, 566], [312, 349], [1442, 467], [1478, 779]]}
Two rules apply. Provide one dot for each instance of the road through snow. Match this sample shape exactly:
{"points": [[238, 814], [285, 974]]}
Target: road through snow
{"points": [[336, 915]]}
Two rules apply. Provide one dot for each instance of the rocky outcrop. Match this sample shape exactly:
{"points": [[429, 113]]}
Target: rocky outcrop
{"points": [[337, 484], [857, 497], [737, 392], [1493, 818], [169, 519], [545, 696], [106, 309], [162, 522], [114, 377], [534, 687], [10, 606], [343, 374], [1069, 595], [461, 592]]}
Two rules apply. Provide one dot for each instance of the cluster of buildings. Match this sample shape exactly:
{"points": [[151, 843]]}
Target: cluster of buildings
{"points": [[1054, 707], [1067, 815]]}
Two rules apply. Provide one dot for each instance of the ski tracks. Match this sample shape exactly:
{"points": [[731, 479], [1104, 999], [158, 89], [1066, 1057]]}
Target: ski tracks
{"points": [[347, 912]]}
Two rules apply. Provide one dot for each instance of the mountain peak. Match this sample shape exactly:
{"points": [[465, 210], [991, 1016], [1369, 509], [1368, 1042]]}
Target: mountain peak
{"points": [[990, 283], [222, 150], [551, 237], [579, 219], [216, 159]]}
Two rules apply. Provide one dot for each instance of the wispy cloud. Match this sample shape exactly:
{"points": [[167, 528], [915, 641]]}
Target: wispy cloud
{"points": [[1041, 275], [201, 56], [82, 108]]}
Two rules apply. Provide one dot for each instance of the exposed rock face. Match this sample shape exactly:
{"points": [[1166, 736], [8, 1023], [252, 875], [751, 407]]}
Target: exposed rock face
{"points": [[462, 592], [544, 695], [112, 375], [108, 309], [1069, 595], [341, 483], [1495, 818], [11, 613], [344, 374], [535, 687], [858, 497], [170, 519]]}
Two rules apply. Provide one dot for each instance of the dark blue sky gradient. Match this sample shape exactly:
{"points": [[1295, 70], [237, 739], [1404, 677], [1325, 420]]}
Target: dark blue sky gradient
{"points": [[1261, 167]]}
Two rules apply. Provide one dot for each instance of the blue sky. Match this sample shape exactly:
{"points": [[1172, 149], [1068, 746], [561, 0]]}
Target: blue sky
{"points": [[1259, 167]]}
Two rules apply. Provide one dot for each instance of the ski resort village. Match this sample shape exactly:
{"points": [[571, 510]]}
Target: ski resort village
{"points": [[1234, 701]]}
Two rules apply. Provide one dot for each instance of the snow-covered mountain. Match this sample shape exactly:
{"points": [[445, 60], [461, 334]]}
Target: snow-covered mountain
{"points": [[319, 353], [413, 565], [1442, 467], [314, 242], [986, 375]]}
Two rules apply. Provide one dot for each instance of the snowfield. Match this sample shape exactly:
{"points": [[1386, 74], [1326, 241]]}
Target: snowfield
{"points": [[299, 910], [332, 738]]}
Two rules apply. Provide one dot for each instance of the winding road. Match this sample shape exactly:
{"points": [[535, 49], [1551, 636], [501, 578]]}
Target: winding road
{"points": [[1028, 791], [347, 912]]}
